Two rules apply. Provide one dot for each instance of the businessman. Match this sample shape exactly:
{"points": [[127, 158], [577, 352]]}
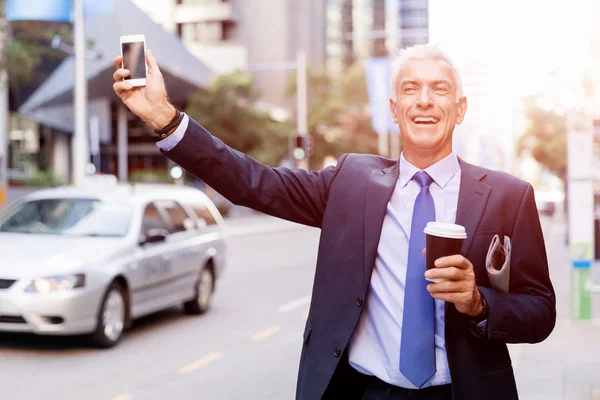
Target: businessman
{"points": [[363, 338]]}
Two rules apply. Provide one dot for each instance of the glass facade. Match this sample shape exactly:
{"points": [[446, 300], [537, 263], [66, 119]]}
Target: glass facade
{"points": [[413, 17]]}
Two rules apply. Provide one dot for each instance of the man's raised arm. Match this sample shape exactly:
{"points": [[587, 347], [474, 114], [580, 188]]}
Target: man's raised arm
{"points": [[298, 195]]}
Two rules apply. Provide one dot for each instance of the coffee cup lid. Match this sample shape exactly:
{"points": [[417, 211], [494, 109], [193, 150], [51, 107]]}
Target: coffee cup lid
{"points": [[446, 230]]}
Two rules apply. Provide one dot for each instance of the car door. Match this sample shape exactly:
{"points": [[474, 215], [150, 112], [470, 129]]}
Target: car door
{"points": [[153, 266], [184, 266]]}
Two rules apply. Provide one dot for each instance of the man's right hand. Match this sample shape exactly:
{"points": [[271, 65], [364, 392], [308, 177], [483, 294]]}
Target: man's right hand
{"points": [[148, 102]]}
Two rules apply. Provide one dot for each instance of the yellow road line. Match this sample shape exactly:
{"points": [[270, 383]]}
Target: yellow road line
{"points": [[267, 333], [200, 363], [124, 396], [304, 315]]}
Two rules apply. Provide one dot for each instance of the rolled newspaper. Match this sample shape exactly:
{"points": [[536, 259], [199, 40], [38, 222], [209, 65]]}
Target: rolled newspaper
{"points": [[497, 263]]}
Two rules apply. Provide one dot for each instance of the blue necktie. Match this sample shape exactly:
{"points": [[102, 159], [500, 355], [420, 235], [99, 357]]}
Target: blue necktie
{"points": [[417, 349]]}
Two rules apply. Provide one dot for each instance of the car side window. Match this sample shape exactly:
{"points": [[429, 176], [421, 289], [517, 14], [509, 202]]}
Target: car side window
{"points": [[203, 214], [152, 219], [180, 220]]}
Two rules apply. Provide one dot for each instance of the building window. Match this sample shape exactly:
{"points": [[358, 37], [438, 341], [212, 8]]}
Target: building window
{"points": [[228, 30], [413, 40], [177, 215], [414, 23], [209, 32], [203, 214]]}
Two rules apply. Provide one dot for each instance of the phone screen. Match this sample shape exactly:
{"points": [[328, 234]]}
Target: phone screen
{"points": [[134, 60]]}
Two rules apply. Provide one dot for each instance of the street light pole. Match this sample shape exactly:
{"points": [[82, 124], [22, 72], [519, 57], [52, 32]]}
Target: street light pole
{"points": [[302, 102], [80, 151], [3, 121], [300, 65]]}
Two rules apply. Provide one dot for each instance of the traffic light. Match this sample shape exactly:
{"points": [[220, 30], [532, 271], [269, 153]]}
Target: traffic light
{"points": [[301, 146]]}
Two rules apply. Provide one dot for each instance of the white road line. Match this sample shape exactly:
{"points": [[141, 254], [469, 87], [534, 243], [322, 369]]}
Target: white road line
{"points": [[267, 333], [292, 305], [200, 363], [125, 396]]}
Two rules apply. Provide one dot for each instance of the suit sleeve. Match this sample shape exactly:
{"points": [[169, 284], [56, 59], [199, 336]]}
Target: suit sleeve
{"points": [[527, 313], [295, 195]]}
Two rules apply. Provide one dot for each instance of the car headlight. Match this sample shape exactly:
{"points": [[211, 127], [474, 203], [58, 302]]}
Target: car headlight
{"points": [[56, 284]]}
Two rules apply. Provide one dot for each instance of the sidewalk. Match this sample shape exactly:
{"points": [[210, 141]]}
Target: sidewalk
{"points": [[258, 223], [565, 366]]}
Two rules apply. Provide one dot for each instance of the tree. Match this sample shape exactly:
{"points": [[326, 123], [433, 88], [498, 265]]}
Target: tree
{"points": [[546, 137], [228, 109], [338, 123], [27, 44], [338, 120]]}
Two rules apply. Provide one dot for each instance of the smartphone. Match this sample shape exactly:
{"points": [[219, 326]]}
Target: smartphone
{"points": [[133, 51]]}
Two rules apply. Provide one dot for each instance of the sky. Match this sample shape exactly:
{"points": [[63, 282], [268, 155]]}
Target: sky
{"points": [[526, 39]]}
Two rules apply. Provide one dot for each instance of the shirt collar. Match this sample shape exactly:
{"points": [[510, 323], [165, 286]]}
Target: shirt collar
{"points": [[441, 172]]}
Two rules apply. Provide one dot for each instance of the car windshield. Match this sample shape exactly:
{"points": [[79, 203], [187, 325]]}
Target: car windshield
{"points": [[77, 217]]}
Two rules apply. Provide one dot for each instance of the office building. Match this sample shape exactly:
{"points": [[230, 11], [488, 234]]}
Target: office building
{"points": [[229, 35], [413, 22], [359, 29]]}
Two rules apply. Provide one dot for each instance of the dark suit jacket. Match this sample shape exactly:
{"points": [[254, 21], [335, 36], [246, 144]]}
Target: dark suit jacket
{"points": [[348, 202]]}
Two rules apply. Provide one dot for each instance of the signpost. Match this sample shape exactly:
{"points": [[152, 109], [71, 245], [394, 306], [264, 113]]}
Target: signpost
{"points": [[581, 220], [378, 76]]}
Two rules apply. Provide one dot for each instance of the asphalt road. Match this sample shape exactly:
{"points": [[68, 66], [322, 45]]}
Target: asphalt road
{"points": [[247, 346]]}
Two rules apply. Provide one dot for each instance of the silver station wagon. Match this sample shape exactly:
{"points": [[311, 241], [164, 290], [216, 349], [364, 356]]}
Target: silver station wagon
{"points": [[89, 260]]}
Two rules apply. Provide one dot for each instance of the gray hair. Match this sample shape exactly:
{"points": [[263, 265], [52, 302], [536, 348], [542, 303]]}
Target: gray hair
{"points": [[422, 51]]}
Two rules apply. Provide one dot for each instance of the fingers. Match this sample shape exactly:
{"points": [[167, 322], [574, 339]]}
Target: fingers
{"points": [[119, 62], [120, 74], [452, 297], [152, 64], [121, 87], [453, 261], [452, 273], [447, 287], [424, 252]]}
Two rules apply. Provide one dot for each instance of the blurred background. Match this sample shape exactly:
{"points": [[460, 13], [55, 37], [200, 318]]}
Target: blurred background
{"points": [[293, 84]]}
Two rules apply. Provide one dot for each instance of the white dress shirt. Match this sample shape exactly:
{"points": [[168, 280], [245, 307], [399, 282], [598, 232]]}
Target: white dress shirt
{"points": [[375, 345]]}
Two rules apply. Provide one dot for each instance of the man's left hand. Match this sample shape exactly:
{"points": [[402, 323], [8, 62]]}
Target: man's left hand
{"points": [[459, 286]]}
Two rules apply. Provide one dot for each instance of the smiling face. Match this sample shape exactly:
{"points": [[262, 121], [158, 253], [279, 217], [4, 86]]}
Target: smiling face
{"points": [[427, 109]]}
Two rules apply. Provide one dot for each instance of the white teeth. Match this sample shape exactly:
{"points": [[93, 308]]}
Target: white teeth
{"points": [[425, 119]]}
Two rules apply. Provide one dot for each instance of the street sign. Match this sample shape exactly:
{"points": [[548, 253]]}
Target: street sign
{"points": [[378, 85], [580, 154], [581, 290], [581, 220], [53, 10]]}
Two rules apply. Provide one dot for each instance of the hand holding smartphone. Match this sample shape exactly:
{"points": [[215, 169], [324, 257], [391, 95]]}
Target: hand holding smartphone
{"points": [[133, 51], [151, 102]]}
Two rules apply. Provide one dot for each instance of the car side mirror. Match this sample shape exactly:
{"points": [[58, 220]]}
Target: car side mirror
{"points": [[154, 235]]}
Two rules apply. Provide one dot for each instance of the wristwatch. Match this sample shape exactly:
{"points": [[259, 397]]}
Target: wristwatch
{"points": [[484, 313]]}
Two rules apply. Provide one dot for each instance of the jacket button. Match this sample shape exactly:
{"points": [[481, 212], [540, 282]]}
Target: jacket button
{"points": [[337, 352], [359, 301]]}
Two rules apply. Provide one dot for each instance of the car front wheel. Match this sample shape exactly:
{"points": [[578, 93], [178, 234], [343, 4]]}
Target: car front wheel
{"points": [[204, 289], [111, 319]]}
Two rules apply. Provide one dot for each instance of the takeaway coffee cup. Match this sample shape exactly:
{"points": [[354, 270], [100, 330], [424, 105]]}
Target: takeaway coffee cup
{"points": [[441, 240]]}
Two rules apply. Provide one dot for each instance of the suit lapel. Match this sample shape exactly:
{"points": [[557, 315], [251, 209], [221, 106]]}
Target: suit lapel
{"points": [[379, 191], [472, 198]]}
